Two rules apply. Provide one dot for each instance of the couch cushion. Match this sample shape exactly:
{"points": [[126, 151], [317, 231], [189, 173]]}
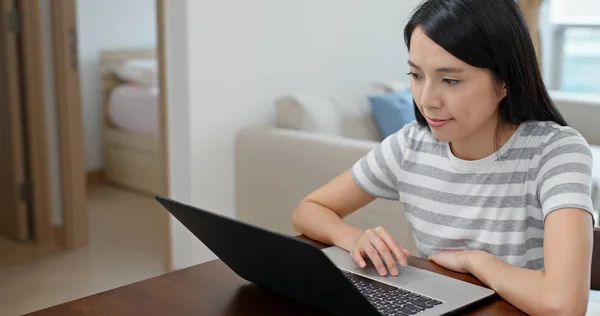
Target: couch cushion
{"points": [[306, 112], [344, 112], [356, 119], [392, 111]]}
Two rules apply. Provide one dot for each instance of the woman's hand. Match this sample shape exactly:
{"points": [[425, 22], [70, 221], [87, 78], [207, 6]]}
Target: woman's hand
{"points": [[381, 248]]}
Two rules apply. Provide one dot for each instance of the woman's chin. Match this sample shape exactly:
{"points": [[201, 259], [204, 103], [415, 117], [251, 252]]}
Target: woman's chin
{"points": [[442, 136]]}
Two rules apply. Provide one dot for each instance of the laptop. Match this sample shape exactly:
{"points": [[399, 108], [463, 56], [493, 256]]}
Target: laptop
{"points": [[327, 279]]}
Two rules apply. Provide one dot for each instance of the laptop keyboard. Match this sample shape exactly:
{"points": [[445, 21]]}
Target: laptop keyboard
{"points": [[390, 300]]}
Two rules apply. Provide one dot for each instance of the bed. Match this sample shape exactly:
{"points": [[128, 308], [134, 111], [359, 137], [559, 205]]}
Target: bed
{"points": [[131, 130]]}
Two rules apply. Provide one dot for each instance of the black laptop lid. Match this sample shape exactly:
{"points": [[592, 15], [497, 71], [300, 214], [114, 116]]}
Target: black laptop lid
{"points": [[284, 264]]}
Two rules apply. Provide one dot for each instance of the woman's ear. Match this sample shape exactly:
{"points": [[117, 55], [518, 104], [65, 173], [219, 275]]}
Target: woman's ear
{"points": [[502, 90]]}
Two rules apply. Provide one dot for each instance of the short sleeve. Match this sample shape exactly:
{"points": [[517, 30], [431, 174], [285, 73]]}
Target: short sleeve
{"points": [[377, 172], [565, 173]]}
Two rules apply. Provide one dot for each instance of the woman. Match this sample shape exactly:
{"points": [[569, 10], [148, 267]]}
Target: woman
{"points": [[492, 180]]}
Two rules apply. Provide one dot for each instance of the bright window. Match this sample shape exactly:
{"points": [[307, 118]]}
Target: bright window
{"points": [[570, 31]]}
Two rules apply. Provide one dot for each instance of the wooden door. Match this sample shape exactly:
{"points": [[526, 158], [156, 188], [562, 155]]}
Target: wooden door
{"points": [[68, 106], [15, 220]]}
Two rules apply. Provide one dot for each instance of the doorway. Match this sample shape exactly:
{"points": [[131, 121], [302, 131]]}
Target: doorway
{"points": [[122, 96], [24, 169], [48, 136]]}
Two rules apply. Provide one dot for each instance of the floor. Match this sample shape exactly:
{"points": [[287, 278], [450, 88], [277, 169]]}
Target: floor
{"points": [[127, 244], [12, 253]]}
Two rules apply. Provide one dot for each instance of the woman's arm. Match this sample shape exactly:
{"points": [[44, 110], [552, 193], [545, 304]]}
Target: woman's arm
{"points": [[562, 288], [320, 215]]}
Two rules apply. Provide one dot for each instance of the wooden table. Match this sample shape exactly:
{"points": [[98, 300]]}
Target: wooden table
{"points": [[213, 289]]}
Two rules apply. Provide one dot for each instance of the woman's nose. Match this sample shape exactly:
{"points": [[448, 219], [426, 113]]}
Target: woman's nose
{"points": [[430, 97]]}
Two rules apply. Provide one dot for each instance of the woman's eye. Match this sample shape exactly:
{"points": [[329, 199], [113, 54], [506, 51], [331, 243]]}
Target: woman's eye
{"points": [[451, 82], [414, 75]]}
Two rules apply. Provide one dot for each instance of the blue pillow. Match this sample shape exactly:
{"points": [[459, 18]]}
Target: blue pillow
{"points": [[392, 111]]}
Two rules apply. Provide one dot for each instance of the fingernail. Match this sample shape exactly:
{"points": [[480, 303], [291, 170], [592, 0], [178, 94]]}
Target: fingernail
{"points": [[403, 262], [382, 271], [362, 264], [394, 271]]}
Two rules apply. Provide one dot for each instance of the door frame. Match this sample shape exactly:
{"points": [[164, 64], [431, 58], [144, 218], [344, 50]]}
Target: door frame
{"points": [[34, 103], [69, 121], [15, 221], [71, 132], [70, 126], [164, 131]]}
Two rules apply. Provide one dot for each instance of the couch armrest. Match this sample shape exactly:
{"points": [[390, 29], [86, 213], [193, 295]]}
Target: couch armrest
{"points": [[276, 168]]}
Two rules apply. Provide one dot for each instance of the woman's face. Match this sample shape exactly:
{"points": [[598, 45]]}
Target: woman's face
{"points": [[458, 100]]}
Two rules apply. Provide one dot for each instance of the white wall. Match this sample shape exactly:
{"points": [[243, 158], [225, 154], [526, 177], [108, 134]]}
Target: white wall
{"points": [[50, 97], [185, 249], [107, 24], [240, 55]]}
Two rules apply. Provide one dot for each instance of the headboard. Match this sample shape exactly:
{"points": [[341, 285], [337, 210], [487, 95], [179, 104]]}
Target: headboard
{"points": [[108, 61]]}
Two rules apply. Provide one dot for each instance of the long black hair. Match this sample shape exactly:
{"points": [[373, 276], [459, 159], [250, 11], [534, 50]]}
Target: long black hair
{"points": [[490, 34]]}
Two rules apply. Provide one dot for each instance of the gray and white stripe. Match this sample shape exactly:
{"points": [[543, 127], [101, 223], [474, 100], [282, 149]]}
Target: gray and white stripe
{"points": [[498, 204]]}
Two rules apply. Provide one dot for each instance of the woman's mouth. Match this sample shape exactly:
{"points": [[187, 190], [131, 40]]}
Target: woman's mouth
{"points": [[437, 122]]}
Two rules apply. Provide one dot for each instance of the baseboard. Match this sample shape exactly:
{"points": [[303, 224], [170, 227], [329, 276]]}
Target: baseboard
{"points": [[95, 176]]}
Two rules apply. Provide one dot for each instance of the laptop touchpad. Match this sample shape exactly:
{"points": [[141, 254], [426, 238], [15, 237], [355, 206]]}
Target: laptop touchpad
{"points": [[406, 275]]}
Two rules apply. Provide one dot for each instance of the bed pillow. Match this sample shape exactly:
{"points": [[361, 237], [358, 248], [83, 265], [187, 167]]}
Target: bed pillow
{"points": [[392, 111], [139, 71]]}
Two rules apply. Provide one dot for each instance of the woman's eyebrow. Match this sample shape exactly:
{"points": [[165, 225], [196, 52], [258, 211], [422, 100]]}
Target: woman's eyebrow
{"points": [[441, 69]]}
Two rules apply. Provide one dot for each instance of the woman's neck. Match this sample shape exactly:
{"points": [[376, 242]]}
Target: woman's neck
{"points": [[483, 142]]}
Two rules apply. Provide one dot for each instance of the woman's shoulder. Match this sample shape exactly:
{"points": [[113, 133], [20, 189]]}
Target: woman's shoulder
{"points": [[549, 132], [551, 137]]}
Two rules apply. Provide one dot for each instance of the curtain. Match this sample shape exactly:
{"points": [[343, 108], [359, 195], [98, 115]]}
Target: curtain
{"points": [[531, 10]]}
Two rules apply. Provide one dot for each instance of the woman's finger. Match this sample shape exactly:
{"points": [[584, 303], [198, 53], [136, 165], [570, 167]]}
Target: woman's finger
{"points": [[374, 256], [396, 249], [384, 253], [406, 252], [357, 255]]}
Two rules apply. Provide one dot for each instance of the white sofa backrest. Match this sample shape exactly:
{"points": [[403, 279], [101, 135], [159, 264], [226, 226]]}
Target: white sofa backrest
{"points": [[339, 113], [348, 114], [581, 112]]}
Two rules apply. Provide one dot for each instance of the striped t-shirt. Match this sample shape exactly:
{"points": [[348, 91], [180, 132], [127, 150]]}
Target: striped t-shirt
{"points": [[497, 204]]}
